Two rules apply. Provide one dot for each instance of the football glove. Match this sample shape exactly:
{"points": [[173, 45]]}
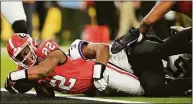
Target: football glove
{"points": [[99, 80], [100, 84], [43, 89], [9, 85], [18, 76]]}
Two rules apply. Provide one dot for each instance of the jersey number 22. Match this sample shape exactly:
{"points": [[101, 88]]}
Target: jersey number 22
{"points": [[49, 46]]}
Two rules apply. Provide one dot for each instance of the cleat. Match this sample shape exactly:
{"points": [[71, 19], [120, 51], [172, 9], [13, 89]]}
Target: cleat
{"points": [[125, 41]]}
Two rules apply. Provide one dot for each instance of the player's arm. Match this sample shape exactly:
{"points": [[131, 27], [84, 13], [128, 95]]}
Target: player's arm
{"points": [[157, 12], [46, 66], [43, 69], [98, 51]]}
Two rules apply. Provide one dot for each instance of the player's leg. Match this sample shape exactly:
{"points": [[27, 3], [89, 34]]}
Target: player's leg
{"points": [[29, 8], [154, 85], [122, 82], [120, 59], [176, 44], [150, 72], [15, 15], [177, 87], [151, 50]]}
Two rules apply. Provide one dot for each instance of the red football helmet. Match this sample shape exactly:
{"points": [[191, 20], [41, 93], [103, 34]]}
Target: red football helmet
{"points": [[21, 49]]}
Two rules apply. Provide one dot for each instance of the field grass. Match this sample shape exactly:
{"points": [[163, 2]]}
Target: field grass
{"points": [[7, 65], [178, 100]]}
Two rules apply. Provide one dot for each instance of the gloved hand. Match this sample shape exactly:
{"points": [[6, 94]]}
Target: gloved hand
{"points": [[16, 83], [43, 89], [99, 80], [9, 85], [100, 84]]}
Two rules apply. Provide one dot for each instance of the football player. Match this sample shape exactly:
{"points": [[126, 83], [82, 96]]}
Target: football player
{"points": [[180, 42], [15, 15], [145, 58], [75, 72]]}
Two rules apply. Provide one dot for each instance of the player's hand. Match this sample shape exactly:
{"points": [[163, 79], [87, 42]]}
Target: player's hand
{"points": [[100, 84], [9, 85], [43, 89], [99, 80], [12, 78]]}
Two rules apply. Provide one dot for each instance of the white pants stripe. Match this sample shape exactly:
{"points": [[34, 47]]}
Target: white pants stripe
{"points": [[113, 67]]}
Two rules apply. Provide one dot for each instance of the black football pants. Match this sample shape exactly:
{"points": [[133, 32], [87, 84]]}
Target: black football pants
{"points": [[145, 59]]}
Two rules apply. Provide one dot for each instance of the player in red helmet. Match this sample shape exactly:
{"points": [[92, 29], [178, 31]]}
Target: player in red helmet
{"points": [[72, 73], [16, 45]]}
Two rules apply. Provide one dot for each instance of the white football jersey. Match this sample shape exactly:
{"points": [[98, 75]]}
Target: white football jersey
{"points": [[120, 59]]}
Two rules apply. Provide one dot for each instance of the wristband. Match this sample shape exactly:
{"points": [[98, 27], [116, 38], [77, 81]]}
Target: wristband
{"points": [[99, 68], [17, 75]]}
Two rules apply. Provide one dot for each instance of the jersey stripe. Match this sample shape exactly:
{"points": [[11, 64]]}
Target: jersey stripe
{"points": [[11, 44], [80, 48]]}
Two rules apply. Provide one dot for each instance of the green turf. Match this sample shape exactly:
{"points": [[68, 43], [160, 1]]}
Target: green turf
{"points": [[179, 100], [7, 65]]}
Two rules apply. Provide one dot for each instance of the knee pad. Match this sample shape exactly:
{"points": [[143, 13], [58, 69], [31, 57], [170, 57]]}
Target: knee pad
{"points": [[20, 26]]}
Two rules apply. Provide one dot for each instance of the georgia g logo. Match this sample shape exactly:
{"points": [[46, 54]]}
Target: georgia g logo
{"points": [[22, 35]]}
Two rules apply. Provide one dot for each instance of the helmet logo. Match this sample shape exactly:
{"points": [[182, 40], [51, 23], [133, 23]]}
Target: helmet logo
{"points": [[22, 35]]}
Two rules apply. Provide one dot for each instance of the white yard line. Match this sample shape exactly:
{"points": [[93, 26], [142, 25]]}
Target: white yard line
{"points": [[86, 98]]}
